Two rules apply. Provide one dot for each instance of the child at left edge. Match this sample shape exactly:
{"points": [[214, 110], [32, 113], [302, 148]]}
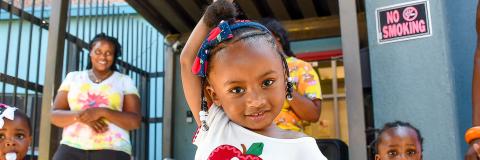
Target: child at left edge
{"points": [[15, 133]]}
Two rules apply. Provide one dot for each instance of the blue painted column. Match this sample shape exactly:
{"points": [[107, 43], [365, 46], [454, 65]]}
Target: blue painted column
{"points": [[427, 81]]}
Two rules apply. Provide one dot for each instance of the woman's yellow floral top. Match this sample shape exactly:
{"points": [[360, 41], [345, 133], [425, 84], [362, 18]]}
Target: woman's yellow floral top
{"points": [[306, 83]]}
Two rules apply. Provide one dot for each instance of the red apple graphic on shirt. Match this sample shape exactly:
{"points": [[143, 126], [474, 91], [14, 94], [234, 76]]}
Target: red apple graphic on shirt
{"points": [[228, 152]]}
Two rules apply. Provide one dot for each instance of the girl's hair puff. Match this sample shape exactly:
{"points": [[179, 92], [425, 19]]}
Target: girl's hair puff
{"points": [[226, 11], [218, 11]]}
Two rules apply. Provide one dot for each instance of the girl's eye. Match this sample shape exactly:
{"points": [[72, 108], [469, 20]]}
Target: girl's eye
{"points": [[411, 152], [237, 90], [392, 153], [108, 53], [267, 83], [2, 136], [97, 52], [20, 136]]}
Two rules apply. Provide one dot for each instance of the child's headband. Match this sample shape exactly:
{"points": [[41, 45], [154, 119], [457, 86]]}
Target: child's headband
{"points": [[6, 112], [216, 36]]}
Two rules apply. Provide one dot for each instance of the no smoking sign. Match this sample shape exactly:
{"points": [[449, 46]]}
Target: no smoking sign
{"points": [[403, 22]]}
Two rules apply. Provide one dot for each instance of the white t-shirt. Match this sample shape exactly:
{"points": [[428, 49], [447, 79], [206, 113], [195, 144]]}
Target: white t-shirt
{"points": [[83, 94], [227, 140]]}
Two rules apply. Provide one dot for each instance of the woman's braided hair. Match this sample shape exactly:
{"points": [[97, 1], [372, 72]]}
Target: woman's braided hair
{"points": [[113, 41]]}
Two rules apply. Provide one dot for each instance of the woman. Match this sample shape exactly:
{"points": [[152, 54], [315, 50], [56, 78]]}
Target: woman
{"points": [[97, 107], [305, 104], [472, 136]]}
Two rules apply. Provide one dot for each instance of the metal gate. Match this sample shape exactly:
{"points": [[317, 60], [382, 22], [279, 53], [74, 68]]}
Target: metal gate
{"points": [[24, 27]]}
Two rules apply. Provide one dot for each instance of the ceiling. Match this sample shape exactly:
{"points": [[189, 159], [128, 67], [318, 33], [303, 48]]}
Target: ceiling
{"points": [[303, 19]]}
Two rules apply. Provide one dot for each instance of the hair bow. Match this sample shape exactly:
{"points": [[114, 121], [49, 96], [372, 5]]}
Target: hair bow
{"points": [[218, 35], [6, 112]]}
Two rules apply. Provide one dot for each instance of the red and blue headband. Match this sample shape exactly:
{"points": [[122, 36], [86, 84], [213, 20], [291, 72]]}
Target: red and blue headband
{"points": [[219, 34]]}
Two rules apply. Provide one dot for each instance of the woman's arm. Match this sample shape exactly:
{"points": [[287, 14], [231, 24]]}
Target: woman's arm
{"points": [[305, 108], [129, 118], [473, 152], [61, 114], [476, 89], [476, 77], [191, 82]]}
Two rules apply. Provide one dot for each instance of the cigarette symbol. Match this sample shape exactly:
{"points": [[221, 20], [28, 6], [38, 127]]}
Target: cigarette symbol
{"points": [[410, 13]]}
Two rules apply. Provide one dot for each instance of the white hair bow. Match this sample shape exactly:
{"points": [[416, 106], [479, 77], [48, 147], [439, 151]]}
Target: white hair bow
{"points": [[8, 113]]}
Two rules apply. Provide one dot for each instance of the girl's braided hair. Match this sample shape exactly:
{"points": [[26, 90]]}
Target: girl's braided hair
{"points": [[221, 15], [396, 124], [113, 41]]}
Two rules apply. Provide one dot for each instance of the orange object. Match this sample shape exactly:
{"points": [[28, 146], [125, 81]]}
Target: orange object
{"points": [[472, 134]]}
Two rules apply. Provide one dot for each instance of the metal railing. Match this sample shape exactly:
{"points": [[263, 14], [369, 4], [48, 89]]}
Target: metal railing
{"points": [[24, 25]]}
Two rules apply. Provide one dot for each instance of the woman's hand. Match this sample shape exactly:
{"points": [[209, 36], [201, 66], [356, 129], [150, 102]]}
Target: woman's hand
{"points": [[93, 117], [91, 114], [99, 126], [473, 152]]}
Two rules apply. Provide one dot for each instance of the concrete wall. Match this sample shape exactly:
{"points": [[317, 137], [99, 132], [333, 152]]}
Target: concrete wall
{"points": [[427, 81]]}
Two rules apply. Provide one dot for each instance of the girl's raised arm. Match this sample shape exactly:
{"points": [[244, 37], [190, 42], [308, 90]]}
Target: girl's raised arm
{"points": [[190, 81]]}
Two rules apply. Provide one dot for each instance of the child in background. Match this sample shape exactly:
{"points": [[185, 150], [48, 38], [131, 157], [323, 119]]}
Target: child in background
{"points": [[15, 136], [243, 72], [305, 107], [399, 140]]}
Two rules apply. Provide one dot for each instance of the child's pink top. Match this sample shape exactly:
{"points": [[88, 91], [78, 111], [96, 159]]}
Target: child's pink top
{"points": [[224, 140]]}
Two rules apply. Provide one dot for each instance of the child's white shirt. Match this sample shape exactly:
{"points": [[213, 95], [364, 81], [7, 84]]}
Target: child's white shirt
{"points": [[224, 140]]}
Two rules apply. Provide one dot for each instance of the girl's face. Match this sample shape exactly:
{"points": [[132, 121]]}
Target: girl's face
{"points": [[102, 55], [14, 137], [399, 143], [248, 81]]}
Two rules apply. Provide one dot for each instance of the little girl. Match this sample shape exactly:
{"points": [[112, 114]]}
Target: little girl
{"points": [[245, 76], [399, 140], [15, 133]]}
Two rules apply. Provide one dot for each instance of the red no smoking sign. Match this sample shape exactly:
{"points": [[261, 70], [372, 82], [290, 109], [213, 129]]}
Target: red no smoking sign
{"points": [[404, 21]]}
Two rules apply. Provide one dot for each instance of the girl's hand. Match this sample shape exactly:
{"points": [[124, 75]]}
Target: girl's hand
{"points": [[91, 114], [473, 152]]}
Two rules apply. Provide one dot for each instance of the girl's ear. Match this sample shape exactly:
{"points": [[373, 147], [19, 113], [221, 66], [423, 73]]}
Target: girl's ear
{"points": [[377, 157], [212, 95]]}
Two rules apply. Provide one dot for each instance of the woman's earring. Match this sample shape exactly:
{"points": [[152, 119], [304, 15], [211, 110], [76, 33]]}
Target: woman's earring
{"points": [[289, 89]]}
